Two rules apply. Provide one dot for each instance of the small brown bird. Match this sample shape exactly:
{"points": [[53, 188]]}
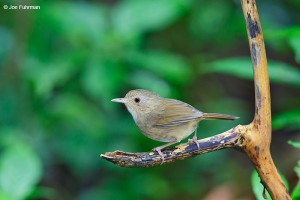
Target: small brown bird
{"points": [[165, 120]]}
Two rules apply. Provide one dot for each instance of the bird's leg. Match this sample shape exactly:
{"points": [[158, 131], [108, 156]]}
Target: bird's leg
{"points": [[195, 139], [158, 149]]}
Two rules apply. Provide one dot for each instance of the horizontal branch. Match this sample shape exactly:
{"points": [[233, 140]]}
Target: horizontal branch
{"points": [[232, 138]]}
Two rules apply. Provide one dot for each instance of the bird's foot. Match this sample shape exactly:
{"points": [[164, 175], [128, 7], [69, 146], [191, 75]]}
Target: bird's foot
{"points": [[158, 149], [195, 141]]}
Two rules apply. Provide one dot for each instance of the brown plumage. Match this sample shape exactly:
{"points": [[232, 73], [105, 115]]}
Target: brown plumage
{"points": [[165, 120]]}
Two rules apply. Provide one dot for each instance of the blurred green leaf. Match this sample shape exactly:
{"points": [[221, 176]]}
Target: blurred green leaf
{"points": [[295, 44], [9, 107], [290, 118], [209, 18], [80, 128], [296, 192], [297, 169], [171, 67], [150, 186], [45, 76], [101, 79], [77, 112], [20, 171], [258, 188], [75, 21], [2, 197], [278, 38], [7, 42], [10, 136], [149, 81], [42, 193], [85, 149], [295, 144], [282, 32], [242, 67], [133, 17]]}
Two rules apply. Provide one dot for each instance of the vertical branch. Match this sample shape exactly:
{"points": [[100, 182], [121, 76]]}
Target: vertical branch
{"points": [[259, 62], [259, 139]]}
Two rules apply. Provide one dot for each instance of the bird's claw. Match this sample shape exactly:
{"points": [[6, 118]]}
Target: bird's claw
{"points": [[158, 150], [194, 140]]}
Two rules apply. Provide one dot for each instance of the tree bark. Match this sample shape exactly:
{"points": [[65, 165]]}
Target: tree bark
{"points": [[259, 138], [254, 139]]}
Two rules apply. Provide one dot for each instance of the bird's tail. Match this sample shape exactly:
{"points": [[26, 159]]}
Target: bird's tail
{"points": [[218, 116]]}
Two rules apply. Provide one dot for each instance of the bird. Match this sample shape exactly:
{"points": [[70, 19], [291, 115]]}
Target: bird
{"points": [[163, 119]]}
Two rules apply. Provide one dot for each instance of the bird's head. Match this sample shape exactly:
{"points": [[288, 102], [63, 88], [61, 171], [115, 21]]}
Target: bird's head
{"points": [[139, 101]]}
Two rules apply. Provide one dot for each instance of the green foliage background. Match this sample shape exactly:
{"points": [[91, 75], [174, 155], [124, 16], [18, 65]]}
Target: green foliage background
{"points": [[62, 64]]}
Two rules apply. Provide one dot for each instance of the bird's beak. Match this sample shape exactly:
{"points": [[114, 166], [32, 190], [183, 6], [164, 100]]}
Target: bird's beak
{"points": [[119, 100]]}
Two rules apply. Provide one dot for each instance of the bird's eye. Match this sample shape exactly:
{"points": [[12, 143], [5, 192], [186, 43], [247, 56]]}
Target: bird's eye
{"points": [[137, 100]]}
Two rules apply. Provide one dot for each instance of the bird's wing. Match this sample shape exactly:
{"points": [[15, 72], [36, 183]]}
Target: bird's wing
{"points": [[175, 113]]}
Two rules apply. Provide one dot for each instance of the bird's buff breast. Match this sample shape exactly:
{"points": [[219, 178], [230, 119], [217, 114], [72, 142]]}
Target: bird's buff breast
{"points": [[169, 134]]}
